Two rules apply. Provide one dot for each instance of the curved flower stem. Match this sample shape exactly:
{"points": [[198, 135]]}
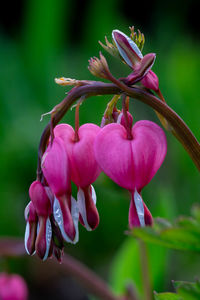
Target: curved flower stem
{"points": [[180, 129], [145, 271], [14, 247], [76, 139], [127, 123], [88, 278]]}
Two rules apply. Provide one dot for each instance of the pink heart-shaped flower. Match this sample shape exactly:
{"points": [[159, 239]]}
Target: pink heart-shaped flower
{"points": [[131, 163], [84, 168]]}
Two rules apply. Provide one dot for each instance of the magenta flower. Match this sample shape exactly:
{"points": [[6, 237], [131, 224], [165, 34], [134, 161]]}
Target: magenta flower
{"points": [[57, 172], [31, 228], [84, 168], [133, 57], [132, 163], [43, 210], [12, 287]]}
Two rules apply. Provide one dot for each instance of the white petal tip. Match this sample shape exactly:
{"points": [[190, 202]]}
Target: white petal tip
{"points": [[139, 208], [57, 212], [48, 238]]}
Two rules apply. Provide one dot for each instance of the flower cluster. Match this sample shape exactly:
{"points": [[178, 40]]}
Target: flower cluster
{"points": [[52, 210], [129, 155], [130, 160]]}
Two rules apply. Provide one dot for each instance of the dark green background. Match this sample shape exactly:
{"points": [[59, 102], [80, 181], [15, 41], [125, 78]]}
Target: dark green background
{"points": [[41, 40]]}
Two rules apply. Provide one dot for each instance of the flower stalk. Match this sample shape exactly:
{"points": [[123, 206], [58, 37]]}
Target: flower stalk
{"points": [[145, 271], [180, 130], [13, 247]]}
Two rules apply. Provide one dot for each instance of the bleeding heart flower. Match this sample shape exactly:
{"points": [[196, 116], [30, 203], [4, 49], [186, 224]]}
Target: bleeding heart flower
{"points": [[31, 228], [42, 207], [13, 287], [141, 66], [132, 163], [56, 169], [84, 168]]}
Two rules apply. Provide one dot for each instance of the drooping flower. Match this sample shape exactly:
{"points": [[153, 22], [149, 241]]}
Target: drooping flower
{"points": [[42, 234], [43, 209], [57, 172], [141, 66], [31, 228], [13, 287], [84, 168], [132, 163]]}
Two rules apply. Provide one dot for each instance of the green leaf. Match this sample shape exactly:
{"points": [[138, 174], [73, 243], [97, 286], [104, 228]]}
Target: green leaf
{"points": [[184, 291], [167, 296], [184, 234], [188, 290]]}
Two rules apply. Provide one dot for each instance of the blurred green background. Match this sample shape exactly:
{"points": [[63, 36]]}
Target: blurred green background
{"points": [[41, 40]]}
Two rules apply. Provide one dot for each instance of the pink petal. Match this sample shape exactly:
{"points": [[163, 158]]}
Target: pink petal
{"points": [[31, 228], [127, 48], [86, 200], [56, 167], [131, 163], [142, 69], [150, 81], [40, 199], [139, 215], [13, 287], [113, 153], [84, 167], [43, 240], [66, 215], [149, 147], [83, 160]]}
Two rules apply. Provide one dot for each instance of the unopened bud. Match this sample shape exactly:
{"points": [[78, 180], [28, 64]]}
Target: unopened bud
{"points": [[98, 67], [127, 48], [142, 68], [150, 81]]}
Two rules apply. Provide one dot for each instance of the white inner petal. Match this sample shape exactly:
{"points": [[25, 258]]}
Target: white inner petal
{"points": [[94, 196], [82, 208], [139, 207], [26, 237], [26, 211], [119, 119], [48, 238], [75, 217], [135, 47], [38, 227], [57, 212]]}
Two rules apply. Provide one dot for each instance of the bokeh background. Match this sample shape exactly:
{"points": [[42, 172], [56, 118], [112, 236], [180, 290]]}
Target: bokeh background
{"points": [[41, 40]]}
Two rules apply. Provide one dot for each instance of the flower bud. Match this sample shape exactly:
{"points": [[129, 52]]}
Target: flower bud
{"points": [[98, 67], [43, 209], [141, 69], [127, 48], [150, 81]]}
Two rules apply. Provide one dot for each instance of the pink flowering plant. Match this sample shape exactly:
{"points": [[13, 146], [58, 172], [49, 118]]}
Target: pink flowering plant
{"points": [[130, 153]]}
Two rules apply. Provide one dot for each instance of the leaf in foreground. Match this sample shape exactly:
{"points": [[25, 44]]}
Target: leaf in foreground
{"points": [[182, 234]]}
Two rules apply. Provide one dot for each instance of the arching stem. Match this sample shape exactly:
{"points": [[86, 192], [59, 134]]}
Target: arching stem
{"points": [[181, 130], [13, 247], [127, 123], [76, 137]]}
